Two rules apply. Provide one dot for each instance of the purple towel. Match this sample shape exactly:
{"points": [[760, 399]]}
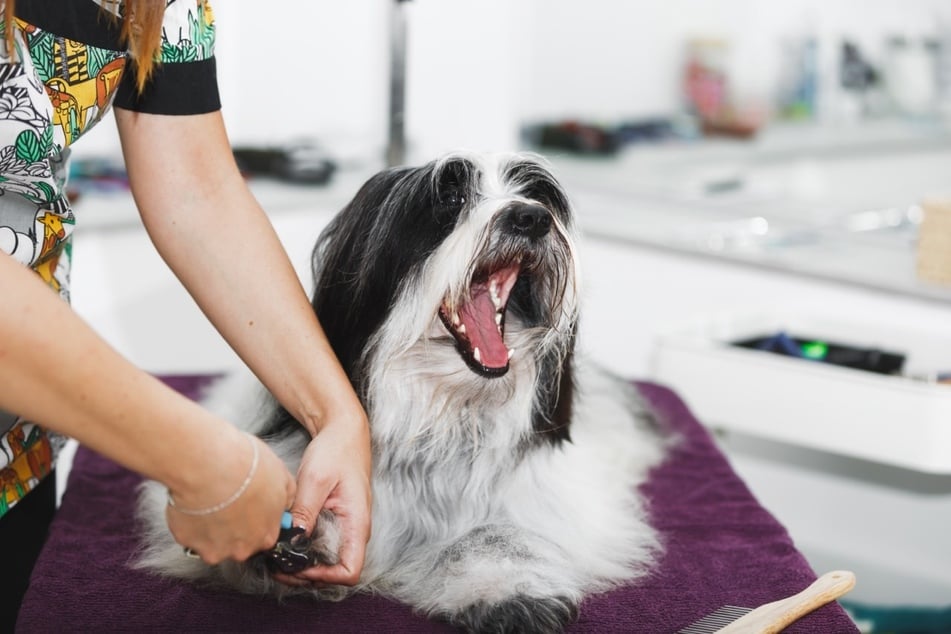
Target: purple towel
{"points": [[722, 548]]}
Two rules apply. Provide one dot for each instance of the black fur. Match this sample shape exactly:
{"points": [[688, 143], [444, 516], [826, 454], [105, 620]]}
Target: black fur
{"points": [[518, 615], [358, 266], [360, 262]]}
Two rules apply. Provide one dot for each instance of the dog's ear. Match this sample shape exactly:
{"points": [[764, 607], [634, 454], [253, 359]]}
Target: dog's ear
{"points": [[343, 259], [395, 221]]}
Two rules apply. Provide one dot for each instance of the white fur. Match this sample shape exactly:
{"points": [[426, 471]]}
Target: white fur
{"points": [[471, 516]]}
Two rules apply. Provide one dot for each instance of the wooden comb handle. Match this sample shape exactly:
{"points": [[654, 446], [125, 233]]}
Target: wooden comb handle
{"points": [[771, 618]]}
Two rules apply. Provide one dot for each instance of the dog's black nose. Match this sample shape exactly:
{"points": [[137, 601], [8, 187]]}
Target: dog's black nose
{"points": [[531, 221]]}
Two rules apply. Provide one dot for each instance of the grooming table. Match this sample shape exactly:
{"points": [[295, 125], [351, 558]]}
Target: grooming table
{"points": [[722, 548]]}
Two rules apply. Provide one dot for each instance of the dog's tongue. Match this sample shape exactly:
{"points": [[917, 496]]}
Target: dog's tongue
{"points": [[478, 315]]}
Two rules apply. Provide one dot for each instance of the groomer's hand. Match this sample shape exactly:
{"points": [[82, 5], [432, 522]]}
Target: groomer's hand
{"points": [[335, 475], [251, 522]]}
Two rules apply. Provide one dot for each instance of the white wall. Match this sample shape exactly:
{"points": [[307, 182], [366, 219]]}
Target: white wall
{"points": [[477, 68], [313, 69], [609, 59]]}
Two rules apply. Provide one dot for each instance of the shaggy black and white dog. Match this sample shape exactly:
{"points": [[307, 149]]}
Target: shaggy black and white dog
{"points": [[505, 471]]}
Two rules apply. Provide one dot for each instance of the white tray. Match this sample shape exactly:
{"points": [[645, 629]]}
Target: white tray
{"points": [[903, 420]]}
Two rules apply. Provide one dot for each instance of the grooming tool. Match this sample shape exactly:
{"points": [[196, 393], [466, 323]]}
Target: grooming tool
{"points": [[286, 534], [292, 551], [771, 618]]}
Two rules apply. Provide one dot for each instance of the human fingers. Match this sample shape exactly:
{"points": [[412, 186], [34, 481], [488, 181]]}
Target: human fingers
{"points": [[290, 580], [350, 503], [352, 557], [315, 481], [346, 572]]}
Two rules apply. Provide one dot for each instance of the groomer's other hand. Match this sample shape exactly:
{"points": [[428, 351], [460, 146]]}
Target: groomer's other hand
{"points": [[335, 475], [249, 524]]}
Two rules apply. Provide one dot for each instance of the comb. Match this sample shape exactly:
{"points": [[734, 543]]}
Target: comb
{"points": [[772, 618]]}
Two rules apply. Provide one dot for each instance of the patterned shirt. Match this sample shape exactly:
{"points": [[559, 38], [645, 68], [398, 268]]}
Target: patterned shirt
{"points": [[66, 70]]}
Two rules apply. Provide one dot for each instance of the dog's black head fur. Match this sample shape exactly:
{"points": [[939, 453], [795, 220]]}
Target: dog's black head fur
{"points": [[377, 246]]}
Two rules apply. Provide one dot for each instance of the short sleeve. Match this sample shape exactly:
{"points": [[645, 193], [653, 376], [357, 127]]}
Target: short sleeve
{"points": [[185, 80]]}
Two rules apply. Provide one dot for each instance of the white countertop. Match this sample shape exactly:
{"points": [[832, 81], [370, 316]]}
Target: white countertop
{"points": [[798, 199], [842, 206]]}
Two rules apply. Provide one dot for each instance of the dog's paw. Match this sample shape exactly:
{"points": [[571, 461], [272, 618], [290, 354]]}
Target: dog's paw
{"points": [[326, 539], [520, 614], [296, 551]]}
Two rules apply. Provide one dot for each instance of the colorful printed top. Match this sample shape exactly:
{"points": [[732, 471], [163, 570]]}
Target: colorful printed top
{"points": [[67, 69]]}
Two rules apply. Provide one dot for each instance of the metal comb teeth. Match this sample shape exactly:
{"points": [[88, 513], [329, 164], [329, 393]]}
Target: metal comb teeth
{"points": [[716, 621]]}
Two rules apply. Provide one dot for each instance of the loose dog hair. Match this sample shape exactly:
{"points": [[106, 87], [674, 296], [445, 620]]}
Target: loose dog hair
{"points": [[505, 469]]}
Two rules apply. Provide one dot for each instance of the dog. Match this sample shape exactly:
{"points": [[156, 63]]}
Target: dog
{"points": [[505, 468]]}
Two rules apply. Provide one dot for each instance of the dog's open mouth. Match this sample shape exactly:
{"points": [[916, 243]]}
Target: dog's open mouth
{"points": [[478, 324]]}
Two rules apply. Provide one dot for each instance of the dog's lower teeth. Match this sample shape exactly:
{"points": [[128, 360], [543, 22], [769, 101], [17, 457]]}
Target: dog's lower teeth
{"points": [[477, 355], [511, 353], [461, 328]]}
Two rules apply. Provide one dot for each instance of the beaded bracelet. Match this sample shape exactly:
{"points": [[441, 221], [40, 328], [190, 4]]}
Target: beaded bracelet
{"points": [[234, 496]]}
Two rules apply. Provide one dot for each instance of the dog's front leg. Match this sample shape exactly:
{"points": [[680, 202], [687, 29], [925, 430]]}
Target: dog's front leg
{"points": [[498, 578]]}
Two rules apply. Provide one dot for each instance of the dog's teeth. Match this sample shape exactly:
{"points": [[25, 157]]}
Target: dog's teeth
{"points": [[455, 319], [498, 319], [477, 355], [494, 294], [461, 328], [511, 353]]}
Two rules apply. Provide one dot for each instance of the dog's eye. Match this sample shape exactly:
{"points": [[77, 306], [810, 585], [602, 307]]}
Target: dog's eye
{"points": [[452, 198], [452, 190]]}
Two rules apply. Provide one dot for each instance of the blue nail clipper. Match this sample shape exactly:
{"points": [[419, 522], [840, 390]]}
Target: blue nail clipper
{"points": [[290, 554], [292, 551]]}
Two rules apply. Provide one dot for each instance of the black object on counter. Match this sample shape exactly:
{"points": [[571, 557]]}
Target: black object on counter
{"points": [[818, 350], [303, 163]]}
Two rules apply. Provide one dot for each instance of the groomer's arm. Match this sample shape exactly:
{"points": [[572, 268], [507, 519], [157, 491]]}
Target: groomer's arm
{"points": [[214, 235], [55, 371]]}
